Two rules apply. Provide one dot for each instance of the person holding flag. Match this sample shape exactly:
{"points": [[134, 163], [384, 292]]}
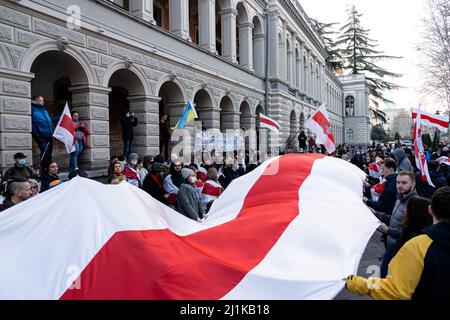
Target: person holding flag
{"points": [[320, 125], [65, 130], [419, 152]]}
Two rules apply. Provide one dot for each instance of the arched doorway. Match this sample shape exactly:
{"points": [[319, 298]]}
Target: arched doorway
{"points": [[227, 114], [55, 72], [125, 85], [247, 124], [204, 107], [172, 104], [302, 120]]}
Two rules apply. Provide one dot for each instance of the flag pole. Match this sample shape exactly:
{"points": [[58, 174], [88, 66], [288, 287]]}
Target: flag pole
{"points": [[45, 150]]}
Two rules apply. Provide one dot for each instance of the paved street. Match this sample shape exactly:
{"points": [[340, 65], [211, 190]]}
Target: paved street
{"points": [[371, 256]]}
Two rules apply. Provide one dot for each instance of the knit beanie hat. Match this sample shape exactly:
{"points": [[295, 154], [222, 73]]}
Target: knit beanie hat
{"points": [[185, 173], [133, 156]]}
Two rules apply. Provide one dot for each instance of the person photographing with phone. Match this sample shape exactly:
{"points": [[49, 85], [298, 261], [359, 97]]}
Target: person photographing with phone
{"points": [[81, 132], [129, 121]]}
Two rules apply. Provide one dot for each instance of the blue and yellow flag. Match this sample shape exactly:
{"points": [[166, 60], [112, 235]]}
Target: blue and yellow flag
{"points": [[189, 115]]}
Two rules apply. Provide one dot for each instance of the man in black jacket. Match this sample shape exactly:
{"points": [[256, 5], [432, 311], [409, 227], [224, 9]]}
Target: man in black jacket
{"points": [[388, 197], [128, 122], [164, 136], [153, 183]]}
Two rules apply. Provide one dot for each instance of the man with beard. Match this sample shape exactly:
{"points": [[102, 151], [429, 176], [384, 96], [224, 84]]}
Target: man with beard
{"points": [[392, 225]]}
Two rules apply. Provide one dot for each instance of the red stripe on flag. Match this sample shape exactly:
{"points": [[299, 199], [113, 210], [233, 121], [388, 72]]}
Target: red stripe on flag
{"points": [[323, 122], [66, 123], [211, 190], [158, 264], [439, 122], [269, 122]]}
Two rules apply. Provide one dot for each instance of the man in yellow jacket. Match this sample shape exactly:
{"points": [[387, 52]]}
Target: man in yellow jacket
{"points": [[421, 269]]}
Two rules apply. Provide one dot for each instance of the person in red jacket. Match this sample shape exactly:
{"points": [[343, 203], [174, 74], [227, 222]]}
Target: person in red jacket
{"points": [[81, 132]]}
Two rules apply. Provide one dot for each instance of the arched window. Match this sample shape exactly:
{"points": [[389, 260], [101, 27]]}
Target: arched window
{"points": [[349, 106], [350, 136]]}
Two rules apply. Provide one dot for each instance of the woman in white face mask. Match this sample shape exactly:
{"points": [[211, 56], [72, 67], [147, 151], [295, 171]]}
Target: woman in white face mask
{"points": [[188, 200]]}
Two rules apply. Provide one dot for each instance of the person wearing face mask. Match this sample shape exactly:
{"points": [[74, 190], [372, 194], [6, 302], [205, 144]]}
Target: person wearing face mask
{"points": [[188, 200], [20, 169], [128, 122], [131, 171], [17, 191]]}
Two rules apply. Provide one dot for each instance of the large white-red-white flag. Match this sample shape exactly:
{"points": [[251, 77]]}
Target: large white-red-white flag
{"points": [[270, 235], [432, 120], [419, 153], [65, 131], [320, 125], [269, 123]]}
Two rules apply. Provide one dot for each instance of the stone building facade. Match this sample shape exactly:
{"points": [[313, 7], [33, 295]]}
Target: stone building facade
{"points": [[234, 59]]}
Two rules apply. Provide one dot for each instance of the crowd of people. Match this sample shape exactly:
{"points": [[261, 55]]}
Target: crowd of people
{"points": [[414, 214], [415, 221]]}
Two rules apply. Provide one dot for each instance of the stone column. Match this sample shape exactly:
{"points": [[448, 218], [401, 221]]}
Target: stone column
{"points": [[273, 45], [248, 122], [143, 9], [179, 18], [210, 117], [229, 120], [92, 103], [207, 24], [15, 116], [146, 134], [246, 45], [229, 34]]}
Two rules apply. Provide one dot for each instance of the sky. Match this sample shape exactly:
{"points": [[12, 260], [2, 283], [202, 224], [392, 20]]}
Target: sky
{"points": [[397, 26]]}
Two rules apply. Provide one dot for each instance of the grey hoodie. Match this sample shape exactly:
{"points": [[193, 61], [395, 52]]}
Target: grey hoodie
{"points": [[403, 163]]}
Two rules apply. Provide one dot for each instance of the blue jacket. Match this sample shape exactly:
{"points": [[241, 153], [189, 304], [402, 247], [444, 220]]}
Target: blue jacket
{"points": [[42, 122]]}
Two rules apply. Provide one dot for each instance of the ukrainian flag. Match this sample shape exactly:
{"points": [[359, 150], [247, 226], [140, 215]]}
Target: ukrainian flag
{"points": [[189, 115]]}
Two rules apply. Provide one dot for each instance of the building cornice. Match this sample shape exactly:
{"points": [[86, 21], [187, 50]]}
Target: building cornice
{"points": [[303, 21]]}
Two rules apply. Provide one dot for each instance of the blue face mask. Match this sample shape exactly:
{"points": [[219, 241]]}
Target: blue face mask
{"points": [[22, 162]]}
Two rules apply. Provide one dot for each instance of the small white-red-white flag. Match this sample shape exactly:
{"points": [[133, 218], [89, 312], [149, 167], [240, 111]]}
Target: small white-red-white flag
{"points": [[65, 131], [268, 123], [419, 153], [432, 120], [320, 125], [444, 160]]}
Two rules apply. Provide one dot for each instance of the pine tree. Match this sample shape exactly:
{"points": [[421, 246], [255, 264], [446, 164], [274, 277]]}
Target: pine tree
{"points": [[360, 57], [326, 30]]}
